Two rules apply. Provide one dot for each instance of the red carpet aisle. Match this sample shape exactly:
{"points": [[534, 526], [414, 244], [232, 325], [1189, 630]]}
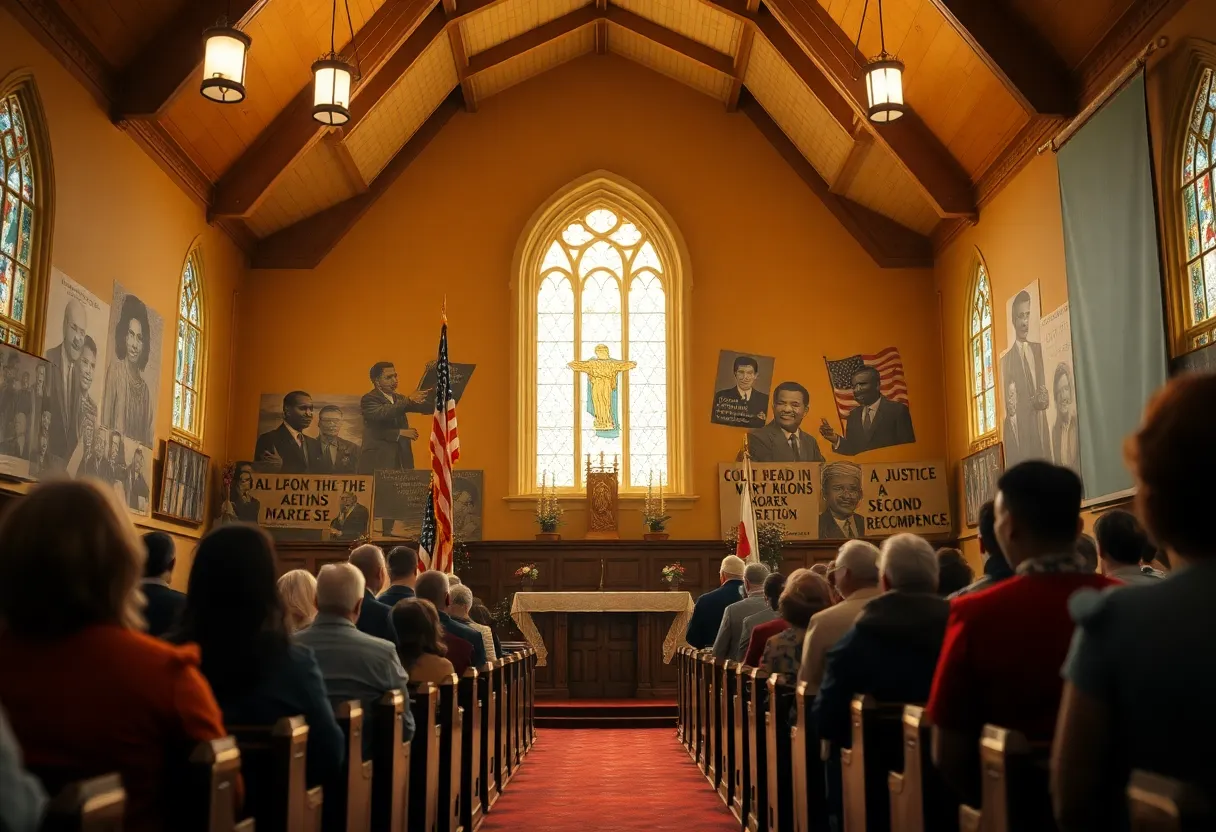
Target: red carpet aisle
{"points": [[605, 780]]}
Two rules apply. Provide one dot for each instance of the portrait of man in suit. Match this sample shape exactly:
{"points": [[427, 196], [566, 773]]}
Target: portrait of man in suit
{"points": [[352, 520], [9, 394], [387, 435], [841, 482], [19, 444], [1009, 428], [782, 439], [137, 484], [743, 405], [876, 421], [286, 450], [84, 404], [62, 387], [466, 510], [1022, 366], [338, 455]]}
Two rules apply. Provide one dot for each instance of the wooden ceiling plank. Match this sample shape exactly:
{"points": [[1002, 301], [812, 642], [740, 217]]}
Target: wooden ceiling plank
{"points": [[743, 56], [304, 244], [853, 163], [805, 69], [173, 56], [689, 48], [60, 36], [888, 243], [460, 57], [416, 24], [938, 174], [533, 38], [1026, 64]]}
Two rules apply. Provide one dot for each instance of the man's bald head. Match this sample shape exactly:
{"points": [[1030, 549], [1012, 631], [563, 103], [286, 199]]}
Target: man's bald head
{"points": [[73, 329], [433, 586], [369, 559]]}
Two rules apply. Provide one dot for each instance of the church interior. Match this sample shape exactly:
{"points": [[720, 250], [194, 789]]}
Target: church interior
{"points": [[606, 323]]}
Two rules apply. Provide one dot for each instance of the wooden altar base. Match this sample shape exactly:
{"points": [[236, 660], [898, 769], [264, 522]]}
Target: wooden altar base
{"points": [[606, 713]]}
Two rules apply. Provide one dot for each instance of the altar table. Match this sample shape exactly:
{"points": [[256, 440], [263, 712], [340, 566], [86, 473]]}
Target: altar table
{"points": [[528, 603]]}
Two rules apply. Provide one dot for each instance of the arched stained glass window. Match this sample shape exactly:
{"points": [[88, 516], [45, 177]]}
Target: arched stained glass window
{"points": [[1198, 216], [981, 376], [188, 365], [19, 219]]}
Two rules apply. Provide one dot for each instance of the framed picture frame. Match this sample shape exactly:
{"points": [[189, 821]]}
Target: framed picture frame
{"points": [[981, 470], [183, 483]]}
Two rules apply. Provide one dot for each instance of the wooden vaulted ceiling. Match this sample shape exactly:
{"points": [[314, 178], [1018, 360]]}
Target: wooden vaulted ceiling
{"points": [[987, 81]]}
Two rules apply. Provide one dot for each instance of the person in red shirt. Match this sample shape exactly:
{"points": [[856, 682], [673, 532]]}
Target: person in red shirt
{"points": [[87, 693], [1004, 646]]}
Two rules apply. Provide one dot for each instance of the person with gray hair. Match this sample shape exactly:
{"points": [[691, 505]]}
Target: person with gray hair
{"points": [[726, 645], [711, 606], [434, 587], [460, 605], [375, 618], [856, 580], [355, 665], [774, 585], [891, 651]]}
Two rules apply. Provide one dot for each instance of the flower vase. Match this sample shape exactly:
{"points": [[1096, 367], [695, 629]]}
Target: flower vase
{"points": [[526, 584], [655, 536], [548, 536], [673, 586]]}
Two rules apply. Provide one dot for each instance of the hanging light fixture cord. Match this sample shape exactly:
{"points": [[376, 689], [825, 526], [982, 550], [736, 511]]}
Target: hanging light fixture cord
{"points": [[353, 45], [882, 38], [861, 27], [333, 24]]}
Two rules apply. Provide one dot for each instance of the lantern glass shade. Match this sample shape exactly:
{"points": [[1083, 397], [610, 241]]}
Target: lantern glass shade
{"points": [[885, 89], [331, 91], [224, 60]]}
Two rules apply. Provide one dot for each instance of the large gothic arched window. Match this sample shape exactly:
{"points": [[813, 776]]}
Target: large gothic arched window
{"points": [[24, 213], [1198, 216], [981, 375]]}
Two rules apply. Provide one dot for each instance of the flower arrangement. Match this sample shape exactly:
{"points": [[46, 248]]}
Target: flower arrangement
{"points": [[673, 574], [227, 510], [771, 539], [654, 511], [527, 572], [548, 512]]}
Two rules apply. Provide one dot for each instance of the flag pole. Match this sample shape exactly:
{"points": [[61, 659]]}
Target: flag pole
{"points": [[827, 365]]}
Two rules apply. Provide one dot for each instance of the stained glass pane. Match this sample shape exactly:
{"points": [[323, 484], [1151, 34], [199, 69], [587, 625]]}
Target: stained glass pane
{"points": [[990, 412], [14, 337], [627, 235], [19, 289], [180, 362], [555, 382], [647, 383], [1209, 271], [18, 122], [1207, 222], [1200, 98], [1188, 160], [989, 380], [977, 366], [648, 258], [975, 321], [190, 372], [14, 176], [1201, 157], [10, 150], [576, 234], [177, 406], [8, 229], [27, 223], [601, 220], [27, 178], [189, 402], [7, 276], [601, 255], [555, 258], [601, 325], [1206, 132], [1198, 295], [1192, 222], [196, 316], [5, 120], [2, 168], [183, 304]]}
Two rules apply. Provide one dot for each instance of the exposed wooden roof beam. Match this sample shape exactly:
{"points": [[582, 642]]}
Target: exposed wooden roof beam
{"points": [[533, 38], [174, 56], [601, 29], [938, 174], [853, 163], [52, 27], [1023, 61], [686, 46], [742, 56], [806, 69], [891, 245], [388, 43], [460, 57], [304, 244]]}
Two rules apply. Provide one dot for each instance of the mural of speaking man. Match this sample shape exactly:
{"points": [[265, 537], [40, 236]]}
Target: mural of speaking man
{"points": [[286, 450], [387, 435], [841, 483], [782, 439], [876, 422], [742, 404], [1022, 366]]}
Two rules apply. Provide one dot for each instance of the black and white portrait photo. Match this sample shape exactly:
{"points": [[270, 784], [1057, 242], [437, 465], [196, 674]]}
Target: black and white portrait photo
{"points": [[183, 491], [871, 396], [1056, 331], [69, 388], [286, 448], [299, 433], [241, 504], [841, 489], [132, 377], [467, 488], [783, 439], [981, 470], [21, 430], [1024, 376], [742, 386], [387, 436], [353, 520]]}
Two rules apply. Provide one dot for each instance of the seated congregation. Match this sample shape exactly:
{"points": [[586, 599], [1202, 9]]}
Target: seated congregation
{"points": [[289, 703], [1070, 687]]}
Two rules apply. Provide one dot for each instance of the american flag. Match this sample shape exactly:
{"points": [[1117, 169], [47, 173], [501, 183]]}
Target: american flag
{"points": [[435, 540], [891, 378]]}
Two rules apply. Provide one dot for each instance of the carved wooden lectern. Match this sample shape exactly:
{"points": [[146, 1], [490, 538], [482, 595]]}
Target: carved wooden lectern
{"points": [[603, 513]]}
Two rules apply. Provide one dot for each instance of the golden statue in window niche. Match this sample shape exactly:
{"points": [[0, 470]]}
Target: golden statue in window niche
{"points": [[603, 373]]}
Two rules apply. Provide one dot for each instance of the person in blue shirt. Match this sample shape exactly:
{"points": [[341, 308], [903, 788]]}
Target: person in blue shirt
{"points": [[711, 606]]}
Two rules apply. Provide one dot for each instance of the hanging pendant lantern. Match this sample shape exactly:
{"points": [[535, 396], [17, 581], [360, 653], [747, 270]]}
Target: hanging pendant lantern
{"points": [[885, 89], [225, 54], [331, 87]]}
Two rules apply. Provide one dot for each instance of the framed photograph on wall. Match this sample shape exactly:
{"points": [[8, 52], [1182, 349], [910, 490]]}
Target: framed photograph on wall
{"points": [[981, 470], [183, 483]]}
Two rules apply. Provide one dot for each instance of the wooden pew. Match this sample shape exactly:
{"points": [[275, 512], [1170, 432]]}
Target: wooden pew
{"points": [[1161, 804], [94, 805], [530, 697], [757, 752], [521, 745], [1014, 785], [810, 800], [275, 759], [779, 797], [920, 799], [211, 802], [489, 744], [741, 798], [424, 758], [502, 685], [727, 762], [349, 809], [877, 750], [450, 717], [680, 710], [696, 745], [470, 750], [390, 765], [713, 725]]}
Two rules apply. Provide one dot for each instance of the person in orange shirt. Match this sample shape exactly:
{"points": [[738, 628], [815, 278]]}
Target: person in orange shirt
{"points": [[93, 694]]}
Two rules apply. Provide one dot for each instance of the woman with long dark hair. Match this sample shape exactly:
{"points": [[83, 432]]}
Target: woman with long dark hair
{"points": [[126, 400], [420, 643], [235, 615]]}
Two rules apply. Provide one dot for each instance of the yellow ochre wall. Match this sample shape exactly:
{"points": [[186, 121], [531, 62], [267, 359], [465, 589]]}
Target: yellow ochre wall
{"points": [[118, 217], [772, 272]]}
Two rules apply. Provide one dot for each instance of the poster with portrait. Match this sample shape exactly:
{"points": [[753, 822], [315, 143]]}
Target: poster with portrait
{"points": [[400, 501], [331, 424], [838, 500], [77, 349], [337, 507], [1023, 309], [24, 451], [389, 440], [981, 470], [1056, 331], [870, 392], [1024, 396], [129, 399], [742, 384], [183, 483]]}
